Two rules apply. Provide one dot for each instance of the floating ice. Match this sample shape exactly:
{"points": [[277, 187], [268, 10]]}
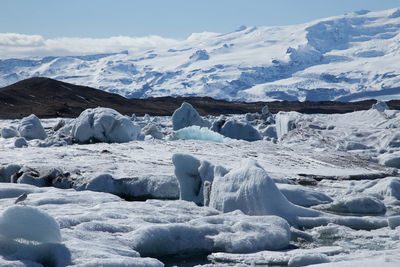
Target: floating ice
{"points": [[20, 142], [8, 132], [393, 221], [273, 258], [31, 128], [217, 124], [99, 227], [7, 171], [390, 160], [240, 130], [357, 223], [387, 187], [192, 174], [307, 259], [351, 145], [198, 133], [161, 187], [250, 189], [11, 190], [104, 125], [186, 116], [123, 261], [380, 106], [152, 129], [358, 205], [251, 116], [214, 233], [265, 110], [270, 132], [29, 223], [303, 196], [285, 122]]}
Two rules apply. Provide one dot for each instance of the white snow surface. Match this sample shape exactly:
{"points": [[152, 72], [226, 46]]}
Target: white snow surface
{"points": [[348, 57]]}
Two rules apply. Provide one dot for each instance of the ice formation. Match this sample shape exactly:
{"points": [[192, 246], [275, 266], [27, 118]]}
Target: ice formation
{"points": [[104, 125], [285, 122], [307, 259], [385, 188], [265, 110], [20, 142], [8, 132], [191, 179], [270, 131], [198, 133], [7, 171], [303, 196], [240, 130], [390, 160], [218, 123], [250, 189], [358, 205], [31, 128], [380, 106], [134, 189], [153, 130], [29, 223], [186, 116], [214, 233]]}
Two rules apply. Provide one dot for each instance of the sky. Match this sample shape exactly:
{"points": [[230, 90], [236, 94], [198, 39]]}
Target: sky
{"points": [[36, 28], [167, 18]]}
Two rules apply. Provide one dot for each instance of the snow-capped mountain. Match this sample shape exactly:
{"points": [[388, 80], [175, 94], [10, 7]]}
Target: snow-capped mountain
{"points": [[346, 58]]}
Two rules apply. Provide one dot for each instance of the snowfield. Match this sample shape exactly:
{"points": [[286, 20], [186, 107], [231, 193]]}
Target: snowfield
{"points": [[327, 191], [347, 58]]}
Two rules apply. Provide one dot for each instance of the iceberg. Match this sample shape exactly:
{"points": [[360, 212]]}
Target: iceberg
{"points": [[31, 128], [186, 116], [104, 125], [198, 133]]}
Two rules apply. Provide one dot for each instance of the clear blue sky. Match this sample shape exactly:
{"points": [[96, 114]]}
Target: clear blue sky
{"points": [[167, 18]]}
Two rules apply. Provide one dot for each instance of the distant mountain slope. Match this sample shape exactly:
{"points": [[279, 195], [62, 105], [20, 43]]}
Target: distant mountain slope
{"points": [[347, 58], [51, 98]]}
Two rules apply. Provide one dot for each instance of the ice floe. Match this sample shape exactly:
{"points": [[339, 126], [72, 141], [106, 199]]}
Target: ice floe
{"points": [[186, 116], [104, 125]]}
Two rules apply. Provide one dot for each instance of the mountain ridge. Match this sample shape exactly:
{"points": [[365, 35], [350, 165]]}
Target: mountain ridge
{"points": [[48, 98]]}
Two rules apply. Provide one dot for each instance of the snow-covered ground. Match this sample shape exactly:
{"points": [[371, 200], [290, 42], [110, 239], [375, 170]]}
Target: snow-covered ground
{"points": [[349, 57], [326, 191]]}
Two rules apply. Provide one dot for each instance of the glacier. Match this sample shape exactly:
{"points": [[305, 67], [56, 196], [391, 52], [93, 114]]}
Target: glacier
{"points": [[345, 58]]}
